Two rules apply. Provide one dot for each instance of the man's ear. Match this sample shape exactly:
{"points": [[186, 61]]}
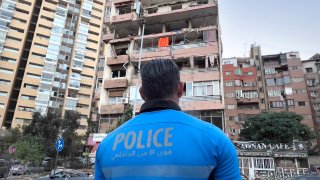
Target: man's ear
{"points": [[180, 89], [141, 94]]}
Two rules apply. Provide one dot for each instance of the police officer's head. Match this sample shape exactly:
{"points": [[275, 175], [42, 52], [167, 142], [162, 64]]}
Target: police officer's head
{"points": [[161, 80]]}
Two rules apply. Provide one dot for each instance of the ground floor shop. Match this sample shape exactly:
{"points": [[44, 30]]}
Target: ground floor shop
{"points": [[272, 161]]}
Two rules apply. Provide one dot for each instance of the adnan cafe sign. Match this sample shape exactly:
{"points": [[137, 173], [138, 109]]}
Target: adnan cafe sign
{"points": [[255, 145]]}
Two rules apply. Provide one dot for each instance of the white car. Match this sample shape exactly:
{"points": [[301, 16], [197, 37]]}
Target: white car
{"points": [[29, 168]]}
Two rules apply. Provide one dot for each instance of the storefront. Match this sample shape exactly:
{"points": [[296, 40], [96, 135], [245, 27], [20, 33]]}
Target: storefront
{"points": [[262, 160]]}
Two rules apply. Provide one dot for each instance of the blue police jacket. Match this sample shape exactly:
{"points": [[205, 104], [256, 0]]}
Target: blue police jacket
{"points": [[164, 143]]}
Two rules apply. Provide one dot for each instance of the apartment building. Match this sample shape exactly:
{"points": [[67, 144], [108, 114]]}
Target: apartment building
{"points": [[257, 83], [241, 93], [49, 57], [311, 68], [185, 31]]}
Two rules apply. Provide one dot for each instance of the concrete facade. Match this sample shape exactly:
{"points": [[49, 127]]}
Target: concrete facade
{"points": [[51, 52], [192, 38]]}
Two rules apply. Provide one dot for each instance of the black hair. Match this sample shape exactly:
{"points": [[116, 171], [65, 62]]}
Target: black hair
{"points": [[160, 79]]}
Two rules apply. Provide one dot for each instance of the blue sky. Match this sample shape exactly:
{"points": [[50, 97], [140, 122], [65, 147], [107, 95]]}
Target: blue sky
{"points": [[275, 25]]}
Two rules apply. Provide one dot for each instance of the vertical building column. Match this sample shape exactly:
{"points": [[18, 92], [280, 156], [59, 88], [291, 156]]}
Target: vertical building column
{"points": [[189, 24], [207, 62], [191, 60], [164, 28]]}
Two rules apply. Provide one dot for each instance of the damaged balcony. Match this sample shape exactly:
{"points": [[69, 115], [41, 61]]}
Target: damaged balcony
{"points": [[125, 12], [119, 53], [155, 11], [199, 68], [115, 83], [178, 44], [107, 37], [112, 109]]}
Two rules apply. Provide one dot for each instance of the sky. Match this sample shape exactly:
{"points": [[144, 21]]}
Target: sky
{"points": [[276, 25]]}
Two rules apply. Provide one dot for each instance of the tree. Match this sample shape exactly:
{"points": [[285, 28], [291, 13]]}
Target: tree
{"points": [[274, 127], [72, 140], [10, 138], [92, 127], [45, 127], [29, 149]]}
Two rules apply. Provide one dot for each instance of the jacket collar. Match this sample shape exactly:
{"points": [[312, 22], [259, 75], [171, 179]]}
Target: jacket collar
{"points": [[158, 104]]}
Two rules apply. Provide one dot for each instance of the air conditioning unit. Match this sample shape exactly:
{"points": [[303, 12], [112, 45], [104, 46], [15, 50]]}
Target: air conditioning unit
{"points": [[125, 100]]}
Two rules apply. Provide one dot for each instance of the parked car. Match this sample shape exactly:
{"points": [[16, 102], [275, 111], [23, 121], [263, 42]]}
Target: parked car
{"points": [[63, 174], [4, 168], [26, 169]]}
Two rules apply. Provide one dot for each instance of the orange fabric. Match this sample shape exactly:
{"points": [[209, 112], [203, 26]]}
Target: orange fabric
{"points": [[163, 42]]}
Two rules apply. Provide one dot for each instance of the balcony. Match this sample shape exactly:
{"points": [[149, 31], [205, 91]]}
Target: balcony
{"points": [[107, 37], [123, 18], [112, 109], [121, 59], [185, 10], [115, 83], [177, 51], [201, 105], [183, 43], [119, 2]]}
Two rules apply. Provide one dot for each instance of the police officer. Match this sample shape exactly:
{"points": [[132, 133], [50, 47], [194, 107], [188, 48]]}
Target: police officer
{"points": [[163, 142]]}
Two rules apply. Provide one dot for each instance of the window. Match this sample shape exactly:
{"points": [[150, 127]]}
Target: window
{"points": [[237, 72], [28, 97], [297, 79], [4, 82], [228, 73], [27, 109], [299, 91], [229, 83], [23, 121], [296, 68], [115, 100], [9, 60], [270, 82], [309, 70], [290, 102], [276, 104], [314, 93], [301, 103], [286, 79], [274, 93], [30, 75], [269, 70], [229, 95], [7, 71], [118, 73], [205, 88], [249, 73], [230, 106], [3, 93], [279, 81], [10, 49], [311, 82], [30, 86]]}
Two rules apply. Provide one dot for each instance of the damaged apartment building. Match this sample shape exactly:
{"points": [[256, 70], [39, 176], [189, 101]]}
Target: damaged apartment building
{"points": [[186, 31], [263, 83]]}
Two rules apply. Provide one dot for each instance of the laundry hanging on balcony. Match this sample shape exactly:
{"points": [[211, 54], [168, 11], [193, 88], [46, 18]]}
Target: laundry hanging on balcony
{"points": [[163, 42]]}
